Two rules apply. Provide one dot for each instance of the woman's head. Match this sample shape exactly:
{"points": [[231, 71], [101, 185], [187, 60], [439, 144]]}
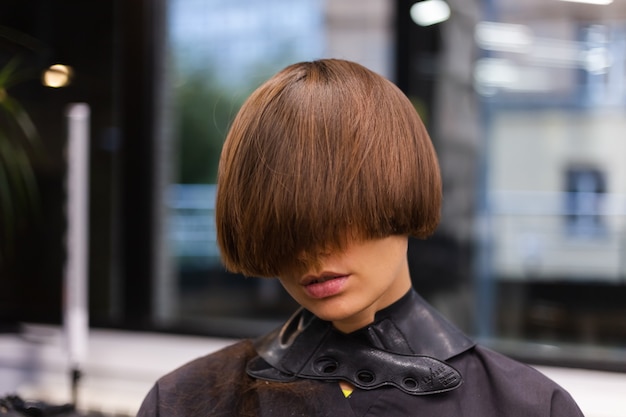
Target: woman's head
{"points": [[321, 152]]}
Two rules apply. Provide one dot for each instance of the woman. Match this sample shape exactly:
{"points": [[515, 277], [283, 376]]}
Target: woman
{"points": [[325, 173]]}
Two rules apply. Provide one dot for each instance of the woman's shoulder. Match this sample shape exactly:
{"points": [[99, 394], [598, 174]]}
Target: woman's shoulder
{"points": [[213, 382], [501, 366], [512, 384], [222, 363]]}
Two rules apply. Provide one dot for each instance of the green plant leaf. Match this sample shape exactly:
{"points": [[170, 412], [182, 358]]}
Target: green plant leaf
{"points": [[19, 142], [23, 122], [7, 212]]}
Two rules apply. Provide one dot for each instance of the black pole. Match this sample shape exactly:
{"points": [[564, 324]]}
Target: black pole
{"points": [[75, 376], [141, 20]]}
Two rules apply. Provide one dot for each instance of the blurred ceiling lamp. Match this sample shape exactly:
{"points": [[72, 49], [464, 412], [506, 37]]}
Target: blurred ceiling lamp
{"points": [[598, 2], [57, 76], [430, 12]]}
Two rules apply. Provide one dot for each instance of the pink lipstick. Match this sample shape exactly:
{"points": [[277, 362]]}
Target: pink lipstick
{"points": [[325, 285]]}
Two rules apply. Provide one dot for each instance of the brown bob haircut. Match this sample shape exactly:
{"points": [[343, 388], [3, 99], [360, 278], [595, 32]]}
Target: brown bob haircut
{"points": [[321, 152]]}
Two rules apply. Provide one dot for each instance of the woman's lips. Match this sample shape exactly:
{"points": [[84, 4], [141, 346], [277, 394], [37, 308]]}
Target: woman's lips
{"points": [[325, 285]]}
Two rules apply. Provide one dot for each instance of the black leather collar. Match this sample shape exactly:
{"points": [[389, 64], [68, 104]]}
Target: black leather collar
{"points": [[405, 347]]}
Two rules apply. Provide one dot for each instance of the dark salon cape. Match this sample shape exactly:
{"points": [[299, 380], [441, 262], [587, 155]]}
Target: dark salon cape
{"points": [[489, 384]]}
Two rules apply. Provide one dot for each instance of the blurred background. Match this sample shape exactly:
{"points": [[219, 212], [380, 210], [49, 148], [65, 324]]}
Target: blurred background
{"points": [[525, 102]]}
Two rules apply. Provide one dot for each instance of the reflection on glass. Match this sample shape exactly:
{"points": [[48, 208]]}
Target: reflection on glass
{"points": [[553, 93], [552, 88], [220, 51]]}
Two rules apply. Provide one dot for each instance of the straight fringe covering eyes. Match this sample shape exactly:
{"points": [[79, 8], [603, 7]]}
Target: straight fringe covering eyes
{"points": [[322, 151]]}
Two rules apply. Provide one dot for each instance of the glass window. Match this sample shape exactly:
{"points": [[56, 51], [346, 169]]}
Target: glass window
{"points": [[526, 112], [219, 52], [585, 194], [551, 85]]}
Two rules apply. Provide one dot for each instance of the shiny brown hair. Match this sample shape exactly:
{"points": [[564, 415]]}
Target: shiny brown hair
{"points": [[322, 151]]}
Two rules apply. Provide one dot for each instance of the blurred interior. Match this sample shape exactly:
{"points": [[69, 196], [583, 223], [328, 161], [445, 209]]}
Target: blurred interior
{"points": [[525, 102]]}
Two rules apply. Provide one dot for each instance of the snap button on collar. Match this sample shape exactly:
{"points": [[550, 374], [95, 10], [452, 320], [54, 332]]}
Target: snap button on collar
{"points": [[326, 366]]}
